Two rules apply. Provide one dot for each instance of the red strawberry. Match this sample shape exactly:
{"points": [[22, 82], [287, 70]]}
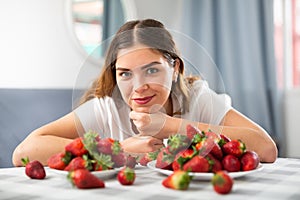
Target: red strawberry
{"points": [[164, 159], [212, 136], [181, 158], [249, 160], [216, 151], [79, 163], [179, 180], [215, 164], [231, 163], [59, 161], [84, 179], [119, 159], [225, 138], [147, 157], [130, 161], [109, 146], [234, 147], [126, 176], [76, 147], [222, 182], [205, 146], [197, 164], [191, 131], [34, 169]]}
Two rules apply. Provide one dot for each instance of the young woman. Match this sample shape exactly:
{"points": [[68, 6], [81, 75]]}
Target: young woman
{"points": [[142, 97]]}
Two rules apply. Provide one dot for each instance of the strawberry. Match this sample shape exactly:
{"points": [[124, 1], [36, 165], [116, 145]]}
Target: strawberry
{"points": [[179, 180], [76, 147], [215, 164], [130, 161], [249, 160], [212, 136], [191, 131], [126, 176], [34, 169], [84, 179], [231, 163], [234, 147], [222, 182], [164, 159], [181, 158], [147, 157], [59, 161], [79, 163], [197, 164], [216, 151], [178, 142], [225, 138], [205, 146], [109, 146], [119, 159]]}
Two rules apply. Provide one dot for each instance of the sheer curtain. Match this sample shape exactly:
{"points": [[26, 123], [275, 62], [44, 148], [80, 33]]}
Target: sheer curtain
{"points": [[238, 35]]}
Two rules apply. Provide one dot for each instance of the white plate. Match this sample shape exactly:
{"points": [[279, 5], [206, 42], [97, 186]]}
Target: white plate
{"points": [[105, 174], [203, 176]]}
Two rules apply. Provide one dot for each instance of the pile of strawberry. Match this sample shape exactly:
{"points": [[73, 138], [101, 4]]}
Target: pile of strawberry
{"points": [[84, 155], [202, 152], [92, 153], [205, 152]]}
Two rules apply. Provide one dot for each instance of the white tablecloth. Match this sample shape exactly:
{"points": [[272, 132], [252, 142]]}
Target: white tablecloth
{"points": [[280, 180]]}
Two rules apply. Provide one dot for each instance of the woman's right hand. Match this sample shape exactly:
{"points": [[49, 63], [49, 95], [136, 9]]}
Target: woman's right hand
{"points": [[141, 144]]}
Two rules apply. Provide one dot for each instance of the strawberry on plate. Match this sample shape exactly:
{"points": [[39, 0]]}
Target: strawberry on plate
{"points": [[126, 176], [234, 147], [197, 164], [79, 163], [76, 147], [231, 163], [222, 182], [34, 169], [178, 180], [84, 179], [164, 159], [59, 161], [147, 157], [249, 160]]}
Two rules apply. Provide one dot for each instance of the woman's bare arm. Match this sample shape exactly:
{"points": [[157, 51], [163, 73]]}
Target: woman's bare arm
{"points": [[47, 140]]}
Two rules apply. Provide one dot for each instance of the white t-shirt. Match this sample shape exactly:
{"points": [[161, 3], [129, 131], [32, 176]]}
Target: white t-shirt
{"points": [[110, 117]]}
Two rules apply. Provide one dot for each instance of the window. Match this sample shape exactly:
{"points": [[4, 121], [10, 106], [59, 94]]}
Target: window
{"points": [[287, 42]]}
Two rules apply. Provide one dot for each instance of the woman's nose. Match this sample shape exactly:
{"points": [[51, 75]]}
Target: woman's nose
{"points": [[141, 88]]}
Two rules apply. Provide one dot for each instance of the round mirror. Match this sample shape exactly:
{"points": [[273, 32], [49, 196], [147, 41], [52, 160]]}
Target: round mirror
{"points": [[93, 21]]}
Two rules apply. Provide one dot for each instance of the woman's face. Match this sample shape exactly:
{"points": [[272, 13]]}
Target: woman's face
{"points": [[144, 78]]}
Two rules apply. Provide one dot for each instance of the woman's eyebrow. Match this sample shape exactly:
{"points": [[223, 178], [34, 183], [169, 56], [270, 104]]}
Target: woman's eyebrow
{"points": [[142, 67]]}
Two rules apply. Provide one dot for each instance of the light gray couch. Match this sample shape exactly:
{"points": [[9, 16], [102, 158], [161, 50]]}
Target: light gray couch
{"points": [[23, 110]]}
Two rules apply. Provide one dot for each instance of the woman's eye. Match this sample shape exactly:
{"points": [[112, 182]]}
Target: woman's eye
{"points": [[125, 74], [152, 70]]}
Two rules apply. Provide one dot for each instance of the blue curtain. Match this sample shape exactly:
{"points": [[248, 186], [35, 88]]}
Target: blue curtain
{"points": [[238, 35]]}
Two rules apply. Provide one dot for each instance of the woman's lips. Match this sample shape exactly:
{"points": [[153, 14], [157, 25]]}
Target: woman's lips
{"points": [[143, 100]]}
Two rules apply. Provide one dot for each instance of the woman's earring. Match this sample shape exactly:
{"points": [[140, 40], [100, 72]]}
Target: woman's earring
{"points": [[175, 76]]}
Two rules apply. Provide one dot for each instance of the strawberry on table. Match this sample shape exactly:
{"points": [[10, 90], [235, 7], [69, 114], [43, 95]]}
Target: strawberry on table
{"points": [[249, 160], [126, 176], [130, 161], [59, 161], [234, 147], [222, 182], [76, 147], [179, 180], [84, 179], [34, 169]]}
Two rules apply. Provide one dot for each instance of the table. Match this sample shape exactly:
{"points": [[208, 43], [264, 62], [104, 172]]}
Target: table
{"points": [[280, 180]]}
